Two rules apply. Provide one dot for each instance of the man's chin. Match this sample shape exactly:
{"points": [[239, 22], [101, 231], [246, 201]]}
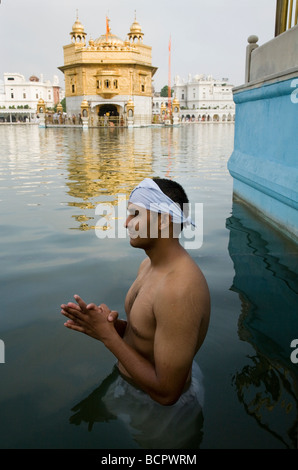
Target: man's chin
{"points": [[137, 242], [132, 240]]}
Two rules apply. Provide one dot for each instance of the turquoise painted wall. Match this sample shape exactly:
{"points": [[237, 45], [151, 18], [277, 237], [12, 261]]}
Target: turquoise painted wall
{"points": [[264, 163]]}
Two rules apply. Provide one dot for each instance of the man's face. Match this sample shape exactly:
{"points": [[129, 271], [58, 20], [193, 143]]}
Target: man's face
{"points": [[142, 225]]}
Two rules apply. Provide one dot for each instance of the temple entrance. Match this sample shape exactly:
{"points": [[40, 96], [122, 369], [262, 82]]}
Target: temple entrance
{"points": [[108, 114], [108, 109]]}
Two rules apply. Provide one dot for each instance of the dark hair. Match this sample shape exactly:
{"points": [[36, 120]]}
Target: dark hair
{"points": [[175, 192]]}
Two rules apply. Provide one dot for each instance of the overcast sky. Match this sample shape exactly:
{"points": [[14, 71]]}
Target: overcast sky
{"points": [[207, 36]]}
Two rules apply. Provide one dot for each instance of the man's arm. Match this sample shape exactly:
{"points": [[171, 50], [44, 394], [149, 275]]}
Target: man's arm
{"points": [[181, 308], [120, 325], [177, 325], [178, 318], [92, 320]]}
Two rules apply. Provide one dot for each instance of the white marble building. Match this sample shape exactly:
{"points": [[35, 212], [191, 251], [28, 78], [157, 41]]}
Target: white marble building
{"points": [[18, 93], [201, 98]]}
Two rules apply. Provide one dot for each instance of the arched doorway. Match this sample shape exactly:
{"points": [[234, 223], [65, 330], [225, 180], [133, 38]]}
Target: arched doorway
{"points": [[108, 109], [108, 115]]}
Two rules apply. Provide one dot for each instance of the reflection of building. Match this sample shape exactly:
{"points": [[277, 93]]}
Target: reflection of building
{"points": [[99, 174], [109, 73], [266, 281], [203, 98]]}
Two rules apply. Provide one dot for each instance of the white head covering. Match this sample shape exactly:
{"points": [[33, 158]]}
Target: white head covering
{"points": [[149, 195]]}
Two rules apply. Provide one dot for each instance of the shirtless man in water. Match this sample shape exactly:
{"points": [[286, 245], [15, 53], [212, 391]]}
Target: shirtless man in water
{"points": [[167, 306]]}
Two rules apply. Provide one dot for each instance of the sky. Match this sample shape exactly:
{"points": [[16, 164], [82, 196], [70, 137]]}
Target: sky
{"points": [[207, 36]]}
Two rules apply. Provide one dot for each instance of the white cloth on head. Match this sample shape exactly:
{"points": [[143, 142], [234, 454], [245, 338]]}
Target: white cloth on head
{"points": [[149, 195]]}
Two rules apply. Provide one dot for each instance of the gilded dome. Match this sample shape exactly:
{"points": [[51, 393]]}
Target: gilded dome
{"points": [[78, 27], [135, 28], [112, 39], [135, 32]]}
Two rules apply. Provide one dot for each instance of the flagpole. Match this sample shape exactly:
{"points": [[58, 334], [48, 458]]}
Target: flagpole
{"points": [[169, 81], [107, 28]]}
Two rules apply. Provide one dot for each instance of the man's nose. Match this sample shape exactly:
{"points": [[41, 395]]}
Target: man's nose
{"points": [[127, 221]]}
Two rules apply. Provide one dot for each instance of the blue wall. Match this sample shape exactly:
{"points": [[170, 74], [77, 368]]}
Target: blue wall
{"points": [[264, 161]]}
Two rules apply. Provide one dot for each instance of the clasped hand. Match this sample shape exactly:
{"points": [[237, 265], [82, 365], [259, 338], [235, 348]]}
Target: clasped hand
{"points": [[96, 321]]}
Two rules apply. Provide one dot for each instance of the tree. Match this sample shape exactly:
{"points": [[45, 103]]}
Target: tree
{"points": [[164, 91], [63, 104]]}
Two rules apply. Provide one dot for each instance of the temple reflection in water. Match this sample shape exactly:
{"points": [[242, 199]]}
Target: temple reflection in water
{"points": [[108, 165], [266, 280]]}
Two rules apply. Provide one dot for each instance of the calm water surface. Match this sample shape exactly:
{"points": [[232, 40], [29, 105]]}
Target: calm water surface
{"points": [[51, 181]]}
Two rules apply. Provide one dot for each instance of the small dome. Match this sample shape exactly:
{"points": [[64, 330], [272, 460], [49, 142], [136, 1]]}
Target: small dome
{"points": [[135, 32], [135, 28], [33, 78], [78, 27]]}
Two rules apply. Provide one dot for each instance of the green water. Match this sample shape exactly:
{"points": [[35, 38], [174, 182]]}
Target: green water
{"points": [[51, 181]]}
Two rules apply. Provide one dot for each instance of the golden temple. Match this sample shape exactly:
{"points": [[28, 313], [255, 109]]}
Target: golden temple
{"points": [[112, 75]]}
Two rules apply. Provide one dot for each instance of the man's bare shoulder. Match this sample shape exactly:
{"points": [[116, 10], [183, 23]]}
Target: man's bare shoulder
{"points": [[182, 304], [144, 265], [186, 272], [185, 281]]}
